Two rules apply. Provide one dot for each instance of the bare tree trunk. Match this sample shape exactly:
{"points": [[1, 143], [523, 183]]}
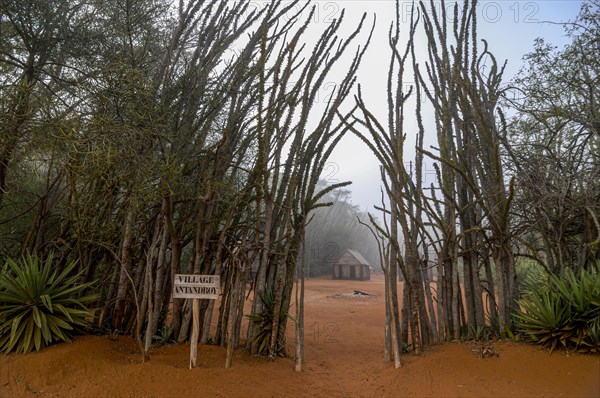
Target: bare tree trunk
{"points": [[276, 318], [441, 301], [500, 289], [300, 315], [240, 313], [456, 293], [148, 288], [185, 322], [261, 276], [229, 338], [431, 309], [491, 290], [392, 297], [506, 291], [4, 160], [477, 291], [207, 322], [161, 270], [387, 346], [126, 261], [394, 257]]}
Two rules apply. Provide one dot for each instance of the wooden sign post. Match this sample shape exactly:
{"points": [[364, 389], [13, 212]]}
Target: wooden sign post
{"points": [[196, 287]]}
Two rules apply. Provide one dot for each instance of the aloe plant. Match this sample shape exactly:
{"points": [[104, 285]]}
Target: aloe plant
{"points": [[39, 305]]}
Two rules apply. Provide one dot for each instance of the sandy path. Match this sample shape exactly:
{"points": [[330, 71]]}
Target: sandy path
{"points": [[344, 357]]}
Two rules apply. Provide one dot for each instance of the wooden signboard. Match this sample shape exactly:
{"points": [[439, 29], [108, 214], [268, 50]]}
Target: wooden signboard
{"points": [[196, 287]]}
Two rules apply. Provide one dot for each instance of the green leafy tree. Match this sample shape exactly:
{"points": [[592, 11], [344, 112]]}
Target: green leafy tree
{"points": [[553, 148]]}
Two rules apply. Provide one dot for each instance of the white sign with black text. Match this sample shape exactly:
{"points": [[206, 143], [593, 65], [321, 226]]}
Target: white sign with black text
{"points": [[197, 286]]}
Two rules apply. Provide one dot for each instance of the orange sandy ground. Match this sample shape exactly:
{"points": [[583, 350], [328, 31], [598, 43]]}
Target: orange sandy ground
{"points": [[344, 357]]}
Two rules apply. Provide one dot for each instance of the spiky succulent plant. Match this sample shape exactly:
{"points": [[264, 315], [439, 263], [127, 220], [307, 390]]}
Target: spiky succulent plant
{"points": [[40, 305]]}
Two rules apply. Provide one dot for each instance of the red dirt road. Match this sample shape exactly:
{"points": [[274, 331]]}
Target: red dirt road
{"points": [[344, 357]]}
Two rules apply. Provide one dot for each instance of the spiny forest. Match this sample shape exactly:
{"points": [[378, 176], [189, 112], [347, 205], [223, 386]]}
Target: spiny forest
{"points": [[140, 139]]}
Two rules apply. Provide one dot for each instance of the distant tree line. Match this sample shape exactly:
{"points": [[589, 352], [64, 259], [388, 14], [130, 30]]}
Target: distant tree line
{"points": [[333, 229]]}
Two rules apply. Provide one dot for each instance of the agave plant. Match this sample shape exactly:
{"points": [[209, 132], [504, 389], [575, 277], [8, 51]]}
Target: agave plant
{"points": [[39, 305], [565, 315], [546, 320], [531, 277], [581, 291], [592, 343]]}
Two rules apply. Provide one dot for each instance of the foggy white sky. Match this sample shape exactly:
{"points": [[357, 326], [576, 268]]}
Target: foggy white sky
{"points": [[510, 27]]}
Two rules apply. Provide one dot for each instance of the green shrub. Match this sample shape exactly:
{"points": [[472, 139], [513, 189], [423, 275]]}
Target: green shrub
{"points": [[39, 306], [567, 314]]}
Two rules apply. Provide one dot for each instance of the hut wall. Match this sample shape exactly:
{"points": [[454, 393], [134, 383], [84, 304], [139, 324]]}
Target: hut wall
{"points": [[353, 271]]}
